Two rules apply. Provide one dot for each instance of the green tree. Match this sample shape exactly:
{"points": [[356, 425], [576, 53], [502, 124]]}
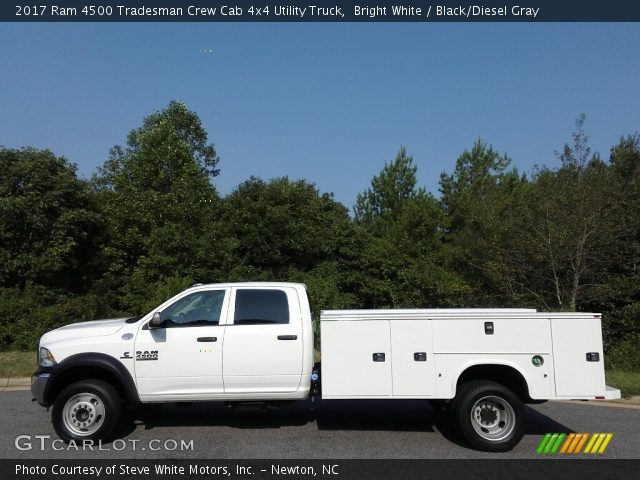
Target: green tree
{"points": [[50, 231], [483, 200], [621, 289], [26, 314], [159, 202], [279, 226], [402, 262], [50, 237], [405, 264], [395, 184], [573, 225]]}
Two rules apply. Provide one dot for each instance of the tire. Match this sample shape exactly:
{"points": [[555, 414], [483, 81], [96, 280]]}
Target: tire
{"points": [[86, 410], [489, 416]]}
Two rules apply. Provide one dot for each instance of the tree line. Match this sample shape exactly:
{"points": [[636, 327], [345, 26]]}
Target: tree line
{"points": [[150, 222]]}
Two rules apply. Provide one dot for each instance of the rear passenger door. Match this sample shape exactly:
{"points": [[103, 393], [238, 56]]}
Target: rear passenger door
{"points": [[262, 351]]}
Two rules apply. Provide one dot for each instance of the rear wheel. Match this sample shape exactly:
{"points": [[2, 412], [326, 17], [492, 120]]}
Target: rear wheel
{"points": [[86, 410], [489, 416]]}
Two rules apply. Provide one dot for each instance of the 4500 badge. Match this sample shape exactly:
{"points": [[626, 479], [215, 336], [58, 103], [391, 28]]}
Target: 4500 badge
{"points": [[142, 355]]}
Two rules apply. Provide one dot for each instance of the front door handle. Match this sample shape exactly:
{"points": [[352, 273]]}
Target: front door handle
{"points": [[287, 337], [207, 339]]}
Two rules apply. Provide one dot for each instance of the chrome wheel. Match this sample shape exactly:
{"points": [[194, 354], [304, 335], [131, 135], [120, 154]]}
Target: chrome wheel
{"points": [[493, 418], [83, 414]]}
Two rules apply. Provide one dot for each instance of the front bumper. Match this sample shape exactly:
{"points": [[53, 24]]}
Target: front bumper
{"points": [[40, 383]]}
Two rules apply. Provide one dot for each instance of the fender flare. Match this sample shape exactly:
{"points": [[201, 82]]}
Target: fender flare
{"points": [[101, 361]]}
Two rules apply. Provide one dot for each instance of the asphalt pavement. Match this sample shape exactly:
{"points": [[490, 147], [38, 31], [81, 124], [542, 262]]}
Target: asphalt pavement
{"points": [[322, 429]]}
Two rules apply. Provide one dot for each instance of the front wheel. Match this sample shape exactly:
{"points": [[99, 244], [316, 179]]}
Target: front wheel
{"points": [[86, 410], [489, 416]]}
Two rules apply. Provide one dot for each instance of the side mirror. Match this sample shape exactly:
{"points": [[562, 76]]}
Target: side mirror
{"points": [[155, 322]]}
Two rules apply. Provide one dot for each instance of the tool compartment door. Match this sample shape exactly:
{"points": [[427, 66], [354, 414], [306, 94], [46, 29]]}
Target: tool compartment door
{"points": [[573, 340], [413, 366], [356, 359]]}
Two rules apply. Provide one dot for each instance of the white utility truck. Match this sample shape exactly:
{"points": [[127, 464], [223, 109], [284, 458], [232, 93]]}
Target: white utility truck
{"points": [[253, 342]]}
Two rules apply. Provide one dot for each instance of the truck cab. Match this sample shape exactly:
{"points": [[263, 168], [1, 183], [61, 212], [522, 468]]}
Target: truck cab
{"points": [[248, 341], [181, 355]]}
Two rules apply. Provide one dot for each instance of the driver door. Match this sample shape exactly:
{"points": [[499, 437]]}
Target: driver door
{"points": [[183, 358]]}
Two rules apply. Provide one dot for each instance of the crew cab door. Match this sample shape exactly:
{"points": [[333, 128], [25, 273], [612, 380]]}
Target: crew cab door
{"points": [[263, 341], [183, 358]]}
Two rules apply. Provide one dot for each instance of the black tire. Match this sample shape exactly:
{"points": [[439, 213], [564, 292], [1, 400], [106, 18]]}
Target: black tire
{"points": [[97, 406], [489, 416]]}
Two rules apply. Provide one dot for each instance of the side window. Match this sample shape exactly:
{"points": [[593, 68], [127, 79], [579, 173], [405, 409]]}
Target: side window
{"points": [[197, 309], [260, 307]]}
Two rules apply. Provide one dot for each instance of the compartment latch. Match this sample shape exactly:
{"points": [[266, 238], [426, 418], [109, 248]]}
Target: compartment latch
{"points": [[593, 357]]}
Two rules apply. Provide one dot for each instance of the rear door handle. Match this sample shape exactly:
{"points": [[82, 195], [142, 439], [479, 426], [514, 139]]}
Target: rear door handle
{"points": [[287, 337], [207, 339]]}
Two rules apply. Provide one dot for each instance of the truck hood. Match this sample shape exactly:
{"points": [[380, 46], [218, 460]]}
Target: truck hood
{"points": [[95, 328]]}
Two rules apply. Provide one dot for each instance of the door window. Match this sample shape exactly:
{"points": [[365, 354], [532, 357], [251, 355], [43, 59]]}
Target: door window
{"points": [[197, 309], [261, 307]]}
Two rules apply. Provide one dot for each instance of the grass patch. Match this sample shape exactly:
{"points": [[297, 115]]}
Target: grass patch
{"points": [[17, 364], [628, 382]]}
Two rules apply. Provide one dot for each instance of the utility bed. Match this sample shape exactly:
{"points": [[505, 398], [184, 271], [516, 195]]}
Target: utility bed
{"points": [[421, 353]]}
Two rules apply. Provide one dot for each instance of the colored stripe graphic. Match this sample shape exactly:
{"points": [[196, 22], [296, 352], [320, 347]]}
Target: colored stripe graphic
{"points": [[582, 440], [555, 447], [573, 443], [551, 443], [567, 443], [596, 445], [576, 439], [605, 443], [594, 437], [543, 443]]}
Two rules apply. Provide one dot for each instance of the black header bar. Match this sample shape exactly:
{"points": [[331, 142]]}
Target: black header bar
{"points": [[320, 11]]}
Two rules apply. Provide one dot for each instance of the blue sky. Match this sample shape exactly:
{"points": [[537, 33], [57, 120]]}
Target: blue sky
{"points": [[326, 102]]}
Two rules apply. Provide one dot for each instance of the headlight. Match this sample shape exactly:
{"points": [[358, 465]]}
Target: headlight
{"points": [[46, 358]]}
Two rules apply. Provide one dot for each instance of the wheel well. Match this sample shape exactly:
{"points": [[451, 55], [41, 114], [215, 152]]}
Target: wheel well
{"points": [[76, 374], [502, 374]]}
